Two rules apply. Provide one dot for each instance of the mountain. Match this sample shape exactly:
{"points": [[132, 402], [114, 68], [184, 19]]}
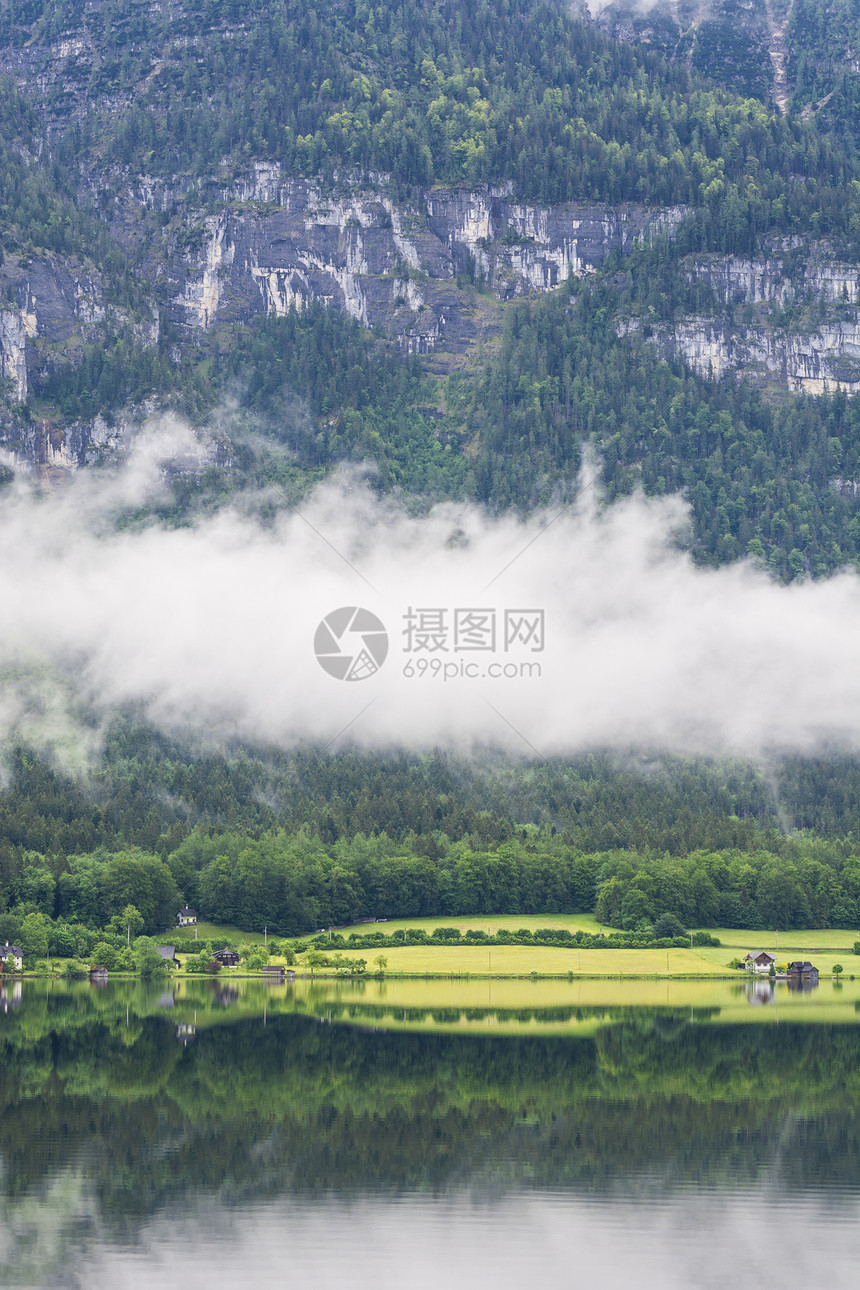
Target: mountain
{"points": [[172, 177], [467, 244]]}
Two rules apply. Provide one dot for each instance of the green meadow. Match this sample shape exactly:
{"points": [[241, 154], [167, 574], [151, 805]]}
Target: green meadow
{"points": [[522, 960]]}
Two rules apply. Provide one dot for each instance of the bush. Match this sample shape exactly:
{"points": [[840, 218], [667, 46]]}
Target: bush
{"points": [[705, 938], [255, 958], [147, 958], [668, 925], [103, 955]]}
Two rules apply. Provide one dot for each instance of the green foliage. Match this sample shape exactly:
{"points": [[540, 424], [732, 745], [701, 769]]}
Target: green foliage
{"points": [[33, 937], [669, 924], [255, 958], [736, 889], [130, 921], [759, 473], [500, 89], [147, 959]]}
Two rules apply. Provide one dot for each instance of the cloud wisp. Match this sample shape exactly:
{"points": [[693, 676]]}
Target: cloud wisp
{"points": [[590, 628]]}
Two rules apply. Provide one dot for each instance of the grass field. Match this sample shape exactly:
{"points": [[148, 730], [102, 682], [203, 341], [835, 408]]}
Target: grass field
{"points": [[824, 947], [805, 939], [521, 960], [208, 932], [823, 961], [732, 937]]}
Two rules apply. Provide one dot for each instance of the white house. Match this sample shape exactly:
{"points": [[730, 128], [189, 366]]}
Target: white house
{"points": [[15, 952], [759, 961], [186, 917]]}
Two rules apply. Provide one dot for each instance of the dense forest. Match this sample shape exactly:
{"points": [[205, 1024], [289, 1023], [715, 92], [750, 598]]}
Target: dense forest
{"points": [[504, 89], [295, 841]]}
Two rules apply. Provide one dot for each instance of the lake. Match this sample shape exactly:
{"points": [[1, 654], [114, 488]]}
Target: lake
{"points": [[373, 1134]]}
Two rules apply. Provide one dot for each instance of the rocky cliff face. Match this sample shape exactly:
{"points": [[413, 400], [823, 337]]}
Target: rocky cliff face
{"points": [[813, 363], [54, 308], [782, 319], [270, 243], [279, 243], [13, 353]]}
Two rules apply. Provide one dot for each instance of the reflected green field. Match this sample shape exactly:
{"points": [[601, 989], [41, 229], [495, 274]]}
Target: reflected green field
{"points": [[575, 1007], [486, 1006]]}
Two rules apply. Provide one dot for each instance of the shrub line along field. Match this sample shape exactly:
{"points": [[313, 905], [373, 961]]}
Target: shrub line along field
{"points": [[825, 940]]}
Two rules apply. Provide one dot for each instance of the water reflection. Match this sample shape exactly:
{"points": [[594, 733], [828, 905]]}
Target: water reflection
{"points": [[11, 995], [245, 1130], [803, 984], [758, 991], [704, 1241]]}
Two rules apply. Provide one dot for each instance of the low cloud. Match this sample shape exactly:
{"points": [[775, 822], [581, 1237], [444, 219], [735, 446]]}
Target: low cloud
{"points": [[211, 628]]}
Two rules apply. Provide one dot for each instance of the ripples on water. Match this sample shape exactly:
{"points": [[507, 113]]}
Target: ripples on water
{"points": [[211, 1137]]}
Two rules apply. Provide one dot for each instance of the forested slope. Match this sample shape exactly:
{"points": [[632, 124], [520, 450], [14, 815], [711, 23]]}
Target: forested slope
{"points": [[135, 137]]}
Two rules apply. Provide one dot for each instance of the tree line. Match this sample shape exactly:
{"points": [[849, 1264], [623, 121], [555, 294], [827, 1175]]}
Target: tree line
{"points": [[293, 884]]}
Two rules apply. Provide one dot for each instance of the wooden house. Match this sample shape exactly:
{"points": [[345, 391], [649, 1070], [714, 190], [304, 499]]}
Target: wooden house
{"points": [[168, 953], [803, 968], [759, 961], [15, 952], [98, 974], [227, 958]]}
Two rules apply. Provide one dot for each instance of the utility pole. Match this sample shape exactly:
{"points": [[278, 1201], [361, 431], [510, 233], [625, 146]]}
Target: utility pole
{"points": [[265, 938]]}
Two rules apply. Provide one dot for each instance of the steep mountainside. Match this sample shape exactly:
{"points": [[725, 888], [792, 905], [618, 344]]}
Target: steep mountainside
{"points": [[177, 178], [466, 243]]}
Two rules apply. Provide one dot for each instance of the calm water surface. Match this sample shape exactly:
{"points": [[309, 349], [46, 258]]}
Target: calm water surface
{"points": [[468, 1133]]}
